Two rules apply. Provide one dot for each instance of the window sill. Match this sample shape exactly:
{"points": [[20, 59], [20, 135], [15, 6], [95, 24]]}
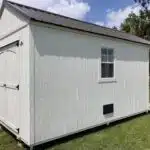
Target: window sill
{"points": [[107, 80]]}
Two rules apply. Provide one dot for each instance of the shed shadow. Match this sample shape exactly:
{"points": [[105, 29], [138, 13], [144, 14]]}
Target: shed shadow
{"points": [[85, 133], [84, 47]]}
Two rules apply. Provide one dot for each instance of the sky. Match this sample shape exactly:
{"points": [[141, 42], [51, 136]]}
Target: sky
{"points": [[107, 13]]}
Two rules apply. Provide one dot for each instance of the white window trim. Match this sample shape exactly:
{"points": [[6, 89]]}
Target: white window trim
{"points": [[106, 80]]}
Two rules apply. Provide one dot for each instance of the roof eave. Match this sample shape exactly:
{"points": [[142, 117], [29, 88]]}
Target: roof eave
{"points": [[81, 30], [18, 10]]}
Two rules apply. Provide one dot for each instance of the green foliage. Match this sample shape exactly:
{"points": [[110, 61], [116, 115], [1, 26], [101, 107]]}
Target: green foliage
{"points": [[115, 28], [7, 142], [143, 3], [130, 135], [138, 25]]}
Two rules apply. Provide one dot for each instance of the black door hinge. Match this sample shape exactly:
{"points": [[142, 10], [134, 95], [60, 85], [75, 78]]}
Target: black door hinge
{"points": [[17, 87]]}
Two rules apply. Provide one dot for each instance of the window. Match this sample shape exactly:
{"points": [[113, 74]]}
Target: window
{"points": [[107, 63]]}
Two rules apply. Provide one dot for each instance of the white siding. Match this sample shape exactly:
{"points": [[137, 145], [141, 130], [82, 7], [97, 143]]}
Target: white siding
{"points": [[10, 22], [68, 95], [13, 28], [25, 84]]}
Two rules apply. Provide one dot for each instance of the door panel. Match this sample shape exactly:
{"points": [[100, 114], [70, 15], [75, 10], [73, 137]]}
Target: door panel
{"points": [[9, 77], [12, 108], [12, 73]]}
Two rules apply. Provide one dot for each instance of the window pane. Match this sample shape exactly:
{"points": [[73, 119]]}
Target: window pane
{"points": [[111, 70], [104, 58], [110, 51], [107, 63], [107, 70], [104, 70], [104, 51], [110, 58]]}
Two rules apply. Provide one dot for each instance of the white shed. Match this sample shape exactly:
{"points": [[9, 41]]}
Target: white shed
{"points": [[60, 76]]}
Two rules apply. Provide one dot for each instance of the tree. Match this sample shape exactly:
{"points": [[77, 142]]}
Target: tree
{"points": [[115, 28], [131, 24], [143, 3], [138, 25]]}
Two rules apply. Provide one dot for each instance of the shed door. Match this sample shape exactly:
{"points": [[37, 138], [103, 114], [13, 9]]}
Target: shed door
{"points": [[9, 88]]}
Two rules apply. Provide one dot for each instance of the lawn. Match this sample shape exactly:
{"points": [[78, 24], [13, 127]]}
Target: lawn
{"points": [[130, 135], [7, 142]]}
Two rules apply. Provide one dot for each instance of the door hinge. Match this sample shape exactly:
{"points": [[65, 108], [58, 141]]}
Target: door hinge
{"points": [[19, 43], [18, 130], [17, 87]]}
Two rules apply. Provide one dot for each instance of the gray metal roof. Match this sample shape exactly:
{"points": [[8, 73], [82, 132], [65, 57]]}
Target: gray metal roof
{"points": [[55, 19]]}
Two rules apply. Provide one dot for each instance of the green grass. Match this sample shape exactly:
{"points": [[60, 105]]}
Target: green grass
{"points": [[129, 135], [7, 142]]}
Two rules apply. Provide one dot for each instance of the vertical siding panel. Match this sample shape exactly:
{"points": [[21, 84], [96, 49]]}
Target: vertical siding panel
{"points": [[71, 97]]}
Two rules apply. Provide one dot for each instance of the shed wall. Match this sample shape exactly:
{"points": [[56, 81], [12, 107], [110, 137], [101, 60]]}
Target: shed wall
{"points": [[13, 28], [11, 22], [69, 94]]}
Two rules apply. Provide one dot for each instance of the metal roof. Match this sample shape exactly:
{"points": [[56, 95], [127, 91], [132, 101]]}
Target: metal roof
{"points": [[55, 19]]}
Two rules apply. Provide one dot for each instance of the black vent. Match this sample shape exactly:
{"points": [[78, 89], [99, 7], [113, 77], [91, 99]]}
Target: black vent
{"points": [[108, 109]]}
